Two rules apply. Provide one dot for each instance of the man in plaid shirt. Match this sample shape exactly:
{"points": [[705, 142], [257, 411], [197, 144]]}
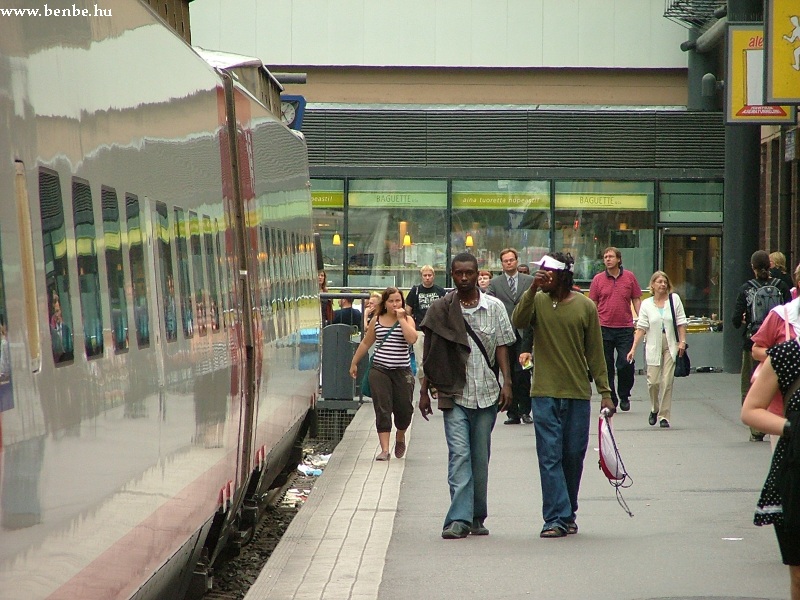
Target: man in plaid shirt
{"points": [[467, 334]]}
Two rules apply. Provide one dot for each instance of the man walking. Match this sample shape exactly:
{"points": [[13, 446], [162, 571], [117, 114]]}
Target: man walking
{"points": [[508, 287], [567, 340], [466, 339], [418, 301], [613, 291]]}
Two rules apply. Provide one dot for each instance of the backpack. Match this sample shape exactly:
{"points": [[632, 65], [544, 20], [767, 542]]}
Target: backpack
{"points": [[761, 298]]}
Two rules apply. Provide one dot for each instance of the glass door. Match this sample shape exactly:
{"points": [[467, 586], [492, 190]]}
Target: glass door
{"points": [[692, 257]]}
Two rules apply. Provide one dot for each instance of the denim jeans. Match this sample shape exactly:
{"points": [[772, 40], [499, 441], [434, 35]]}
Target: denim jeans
{"points": [[562, 436], [468, 432], [619, 340]]}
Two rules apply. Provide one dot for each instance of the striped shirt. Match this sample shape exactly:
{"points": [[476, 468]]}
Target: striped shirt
{"points": [[393, 353]]}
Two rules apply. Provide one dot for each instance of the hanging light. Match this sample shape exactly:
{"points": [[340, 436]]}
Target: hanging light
{"points": [[407, 240], [469, 242], [337, 239]]}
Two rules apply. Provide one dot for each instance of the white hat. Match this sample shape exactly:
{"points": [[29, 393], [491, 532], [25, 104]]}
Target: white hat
{"points": [[548, 262]]}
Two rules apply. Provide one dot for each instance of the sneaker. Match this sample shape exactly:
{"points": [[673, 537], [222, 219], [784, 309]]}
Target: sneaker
{"points": [[625, 404], [399, 449], [664, 423], [456, 531], [652, 418], [478, 528]]}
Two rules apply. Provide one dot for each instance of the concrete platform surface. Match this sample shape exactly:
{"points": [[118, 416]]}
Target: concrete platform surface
{"points": [[372, 530]]}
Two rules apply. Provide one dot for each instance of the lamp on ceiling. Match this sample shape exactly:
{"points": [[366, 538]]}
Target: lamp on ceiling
{"points": [[407, 240], [469, 242], [337, 239]]}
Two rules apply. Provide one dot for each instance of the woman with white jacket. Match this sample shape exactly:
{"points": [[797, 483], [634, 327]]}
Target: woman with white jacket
{"points": [[655, 325]]}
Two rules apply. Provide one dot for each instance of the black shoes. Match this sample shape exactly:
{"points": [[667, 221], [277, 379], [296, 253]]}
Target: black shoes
{"points": [[478, 528], [511, 421], [625, 404], [652, 418], [457, 531], [527, 419], [664, 423]]}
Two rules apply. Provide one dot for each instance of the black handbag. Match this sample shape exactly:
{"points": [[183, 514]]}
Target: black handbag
{"points": [[365, 389], [683, 366]]}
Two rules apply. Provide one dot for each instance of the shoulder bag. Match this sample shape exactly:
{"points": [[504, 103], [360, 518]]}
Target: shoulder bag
{"points": [[365, 389], [683, 365]]}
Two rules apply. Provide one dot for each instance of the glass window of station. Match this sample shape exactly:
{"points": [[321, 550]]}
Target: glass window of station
{"points": [[489, 216], [593, 215], [327, 199]]}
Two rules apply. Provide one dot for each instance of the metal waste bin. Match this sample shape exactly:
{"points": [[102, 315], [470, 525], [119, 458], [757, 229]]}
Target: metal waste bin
{"points": [[337, 354]]}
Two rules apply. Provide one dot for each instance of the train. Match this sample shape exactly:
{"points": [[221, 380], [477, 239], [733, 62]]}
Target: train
{"points": [[157, 286]]}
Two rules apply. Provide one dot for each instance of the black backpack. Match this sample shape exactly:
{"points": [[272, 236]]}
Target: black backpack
{"points": [[761, 298]]}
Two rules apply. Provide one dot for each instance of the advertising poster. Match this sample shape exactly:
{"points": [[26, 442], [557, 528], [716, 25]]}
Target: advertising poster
{"points": [[782, 51]]}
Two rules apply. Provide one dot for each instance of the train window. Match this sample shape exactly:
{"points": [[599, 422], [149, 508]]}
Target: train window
{"points": [[224, 287], [213, 294], [115, 272], [267, 270], [27, 267], [167, 273], [54, 242], [197, 271], [141, 316], [88, 275], [187, 314]]}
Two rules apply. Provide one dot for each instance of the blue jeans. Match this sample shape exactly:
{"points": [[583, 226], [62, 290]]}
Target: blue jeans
{"points": [[619, 340], [468, 432], [562, 436]]}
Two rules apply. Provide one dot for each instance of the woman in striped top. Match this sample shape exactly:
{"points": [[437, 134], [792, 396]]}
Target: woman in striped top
{"points": [[390, 377]]}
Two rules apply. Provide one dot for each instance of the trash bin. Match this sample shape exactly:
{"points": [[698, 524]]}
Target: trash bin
{"points": [[337, 354]]}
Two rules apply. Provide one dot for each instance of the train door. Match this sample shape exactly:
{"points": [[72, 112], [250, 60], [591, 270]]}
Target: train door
{"points": [[692, 257]]}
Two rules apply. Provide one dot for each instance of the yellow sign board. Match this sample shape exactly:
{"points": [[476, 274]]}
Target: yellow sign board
{"points": [[782, 46], [398, 200], [602, 201], [501, 201], [327, 199], [745, 85]]}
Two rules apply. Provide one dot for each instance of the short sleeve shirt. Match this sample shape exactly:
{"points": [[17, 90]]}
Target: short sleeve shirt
{"points": [[613, 296], [420, 299], [490, 322]]}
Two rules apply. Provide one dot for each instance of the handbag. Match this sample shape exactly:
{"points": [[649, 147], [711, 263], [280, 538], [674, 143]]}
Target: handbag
{"points": [[365, 389], [683, 366]]}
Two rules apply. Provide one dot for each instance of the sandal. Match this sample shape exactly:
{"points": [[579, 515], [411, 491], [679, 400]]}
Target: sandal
{"points": [[553, 532], [399, 449], [572, 528], [383, 456]]}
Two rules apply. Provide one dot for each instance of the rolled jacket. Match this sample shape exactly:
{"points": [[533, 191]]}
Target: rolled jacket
{"points": [[446, 348]]}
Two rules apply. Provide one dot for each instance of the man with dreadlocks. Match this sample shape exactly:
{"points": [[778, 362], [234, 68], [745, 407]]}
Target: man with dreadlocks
{"points": [[567, 339]]}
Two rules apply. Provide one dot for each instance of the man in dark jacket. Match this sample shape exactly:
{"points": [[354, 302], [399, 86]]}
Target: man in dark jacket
{"points": [[467, 335]]}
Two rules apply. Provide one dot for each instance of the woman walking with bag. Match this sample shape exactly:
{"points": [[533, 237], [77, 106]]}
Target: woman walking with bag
{"points": [[390, 380], [662, 323], [782, 324]]}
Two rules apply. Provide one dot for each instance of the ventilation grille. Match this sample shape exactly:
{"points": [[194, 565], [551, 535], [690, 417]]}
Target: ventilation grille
{"points": [[518, 138]]}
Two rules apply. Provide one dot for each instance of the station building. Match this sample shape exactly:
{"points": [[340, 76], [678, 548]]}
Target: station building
{"points": [[437, 127]]}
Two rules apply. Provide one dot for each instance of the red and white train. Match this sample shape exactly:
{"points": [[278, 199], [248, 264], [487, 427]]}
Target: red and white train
{"points": [[157, 264]]}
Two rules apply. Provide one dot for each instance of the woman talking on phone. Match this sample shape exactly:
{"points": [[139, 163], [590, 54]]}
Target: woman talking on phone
{"points": [[390, 377]]}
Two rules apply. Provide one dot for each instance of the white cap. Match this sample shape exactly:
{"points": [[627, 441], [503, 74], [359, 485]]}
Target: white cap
{"points": [[548, 262]]}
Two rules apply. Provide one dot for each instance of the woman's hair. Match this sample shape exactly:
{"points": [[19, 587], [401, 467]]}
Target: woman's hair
{"points": [[324, 286], [779, 258], [658, 274], [385, 296], [797, 274], [760, 263], [484, 272]]}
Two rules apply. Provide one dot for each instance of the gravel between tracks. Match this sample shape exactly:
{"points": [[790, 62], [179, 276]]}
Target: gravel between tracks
{"points": [[233, 575]]}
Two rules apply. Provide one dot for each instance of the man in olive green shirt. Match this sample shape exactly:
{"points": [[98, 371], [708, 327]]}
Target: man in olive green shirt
{"points": [[566, 341]]}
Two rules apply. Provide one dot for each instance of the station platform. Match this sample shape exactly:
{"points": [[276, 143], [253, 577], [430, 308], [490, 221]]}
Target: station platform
{"points": [[371, 530]]}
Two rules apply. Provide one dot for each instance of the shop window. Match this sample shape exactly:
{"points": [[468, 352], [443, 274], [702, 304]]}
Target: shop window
{"points": [[690, 201], [54, 241], [489, 216], [394, 227], [88, 277], [593, 215], [327, 200]]}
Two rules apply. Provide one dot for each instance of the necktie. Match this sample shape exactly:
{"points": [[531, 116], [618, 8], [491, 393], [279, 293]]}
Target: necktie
{"points": [[512, 284]]}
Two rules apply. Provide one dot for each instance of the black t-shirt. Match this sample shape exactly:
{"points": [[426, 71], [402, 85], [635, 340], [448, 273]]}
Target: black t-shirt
{"points": [[348, 316], [420, 299]]}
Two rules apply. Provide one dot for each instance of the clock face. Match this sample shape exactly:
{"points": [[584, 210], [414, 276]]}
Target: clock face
{"points": [[288, 112]]}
